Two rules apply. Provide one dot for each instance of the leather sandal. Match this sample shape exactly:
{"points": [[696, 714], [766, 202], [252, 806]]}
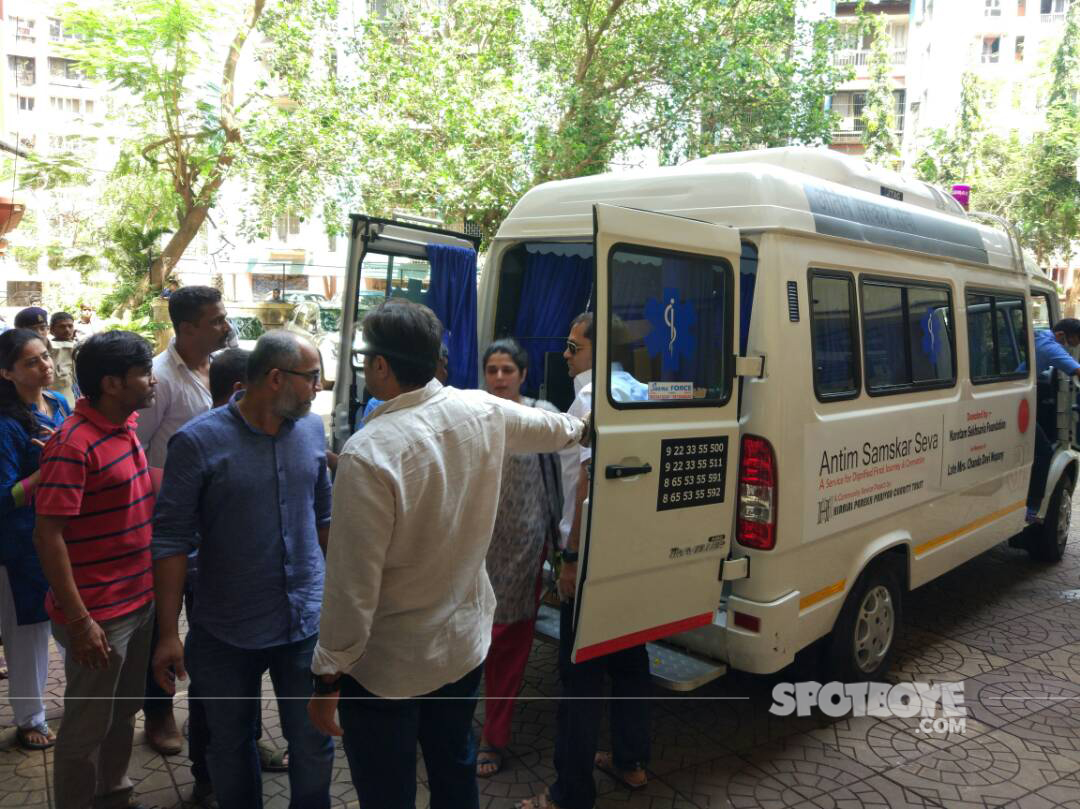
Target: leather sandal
{"points": [[491, 759], [541, 801], [22, 736], [271, 759], [631, 779]]}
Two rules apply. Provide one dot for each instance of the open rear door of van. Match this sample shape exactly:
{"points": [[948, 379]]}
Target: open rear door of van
{"points": [[660, 513]]}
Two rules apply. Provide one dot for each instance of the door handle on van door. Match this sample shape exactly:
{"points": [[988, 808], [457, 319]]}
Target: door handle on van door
{"points": [[614, 471]]}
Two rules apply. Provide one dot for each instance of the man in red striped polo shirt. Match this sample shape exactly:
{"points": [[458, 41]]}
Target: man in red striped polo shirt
{"points": [[95, 503]]}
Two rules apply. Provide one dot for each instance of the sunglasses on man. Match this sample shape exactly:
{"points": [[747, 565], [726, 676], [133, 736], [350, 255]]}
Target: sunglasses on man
{"points": [[311, 376]]}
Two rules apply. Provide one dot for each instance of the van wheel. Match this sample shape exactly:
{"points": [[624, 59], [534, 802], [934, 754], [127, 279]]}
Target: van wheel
{"points": [[863, 640], [1047, 542]]}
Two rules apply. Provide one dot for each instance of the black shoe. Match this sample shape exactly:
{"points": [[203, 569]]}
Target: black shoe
{"points": [[202, 793]]}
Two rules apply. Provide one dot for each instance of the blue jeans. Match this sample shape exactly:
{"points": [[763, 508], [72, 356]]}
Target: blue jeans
{"points": [[381, 737], [198, 732], [580, 709], [229, 679]]}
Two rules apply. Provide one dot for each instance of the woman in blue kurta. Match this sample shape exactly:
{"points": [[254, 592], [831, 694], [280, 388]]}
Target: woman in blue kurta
{"points": [[28, 416]]}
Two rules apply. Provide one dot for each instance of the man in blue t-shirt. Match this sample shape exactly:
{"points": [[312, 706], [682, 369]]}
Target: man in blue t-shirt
{"points": [[1050, 353]]}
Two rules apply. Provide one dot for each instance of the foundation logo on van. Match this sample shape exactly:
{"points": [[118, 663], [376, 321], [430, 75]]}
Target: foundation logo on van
{"points": [[885, 700]]}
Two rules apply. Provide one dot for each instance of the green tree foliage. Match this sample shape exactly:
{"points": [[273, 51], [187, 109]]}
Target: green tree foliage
{"points": [[684, 77], [598, 61], [466, 106], [743, 75], [953, 154], [879, 118], [303, 152], [158, 52], [178, 61], [61, 188], [446, 97], [452, 108], [1044, 197], [138, 207]]}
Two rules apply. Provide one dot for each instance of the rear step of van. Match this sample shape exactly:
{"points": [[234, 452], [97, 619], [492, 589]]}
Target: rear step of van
{"points": [[671, 668]]}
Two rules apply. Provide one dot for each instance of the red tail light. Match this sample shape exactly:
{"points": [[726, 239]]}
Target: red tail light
{"points": [[755, 523]]}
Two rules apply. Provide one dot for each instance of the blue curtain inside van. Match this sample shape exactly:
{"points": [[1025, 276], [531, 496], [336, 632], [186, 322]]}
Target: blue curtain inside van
{"points": [[555, 289], [452, 296], [748, 263]]}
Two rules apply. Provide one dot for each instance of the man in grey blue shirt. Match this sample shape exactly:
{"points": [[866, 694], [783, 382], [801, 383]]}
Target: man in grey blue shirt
{"points": [[1049, 353], [247, 486]]}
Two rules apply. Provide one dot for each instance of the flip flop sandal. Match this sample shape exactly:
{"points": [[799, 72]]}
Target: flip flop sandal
{"points": [[271, 759], [22, 736], [606, 764], [489, 757], [541, 801]]}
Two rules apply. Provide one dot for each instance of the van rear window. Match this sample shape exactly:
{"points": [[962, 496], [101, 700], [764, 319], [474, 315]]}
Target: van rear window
{"points": [[997, 336], [833, 335], [907, 336], [670, 331]]}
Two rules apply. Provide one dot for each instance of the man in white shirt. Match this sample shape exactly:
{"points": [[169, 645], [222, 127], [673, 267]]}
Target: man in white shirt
{"points": [[624, 388], [62, 350], [183, 391], [87, 325], [407, 605], [579, 712]]}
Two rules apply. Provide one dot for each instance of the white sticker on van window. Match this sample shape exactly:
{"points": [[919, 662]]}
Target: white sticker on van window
{"points": [[667, 391]]}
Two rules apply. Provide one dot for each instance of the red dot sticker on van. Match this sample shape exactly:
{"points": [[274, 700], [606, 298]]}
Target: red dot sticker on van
{"points": [[1023, 417]]}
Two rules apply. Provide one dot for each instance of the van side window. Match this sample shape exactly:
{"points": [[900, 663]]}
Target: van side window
{"points": [[671, 331], [997, 336], [1040, 311], [907, 336], [833, 335]]}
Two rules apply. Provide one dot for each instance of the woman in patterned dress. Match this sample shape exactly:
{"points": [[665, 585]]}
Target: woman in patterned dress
{"points": [[530, 504]]}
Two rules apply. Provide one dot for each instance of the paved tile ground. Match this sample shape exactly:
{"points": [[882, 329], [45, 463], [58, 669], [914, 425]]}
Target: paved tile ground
{"points": [[1006, 626]]}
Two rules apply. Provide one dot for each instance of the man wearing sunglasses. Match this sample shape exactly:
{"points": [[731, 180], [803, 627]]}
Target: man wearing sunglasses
{"points": [[579, 712], [247, 486]]}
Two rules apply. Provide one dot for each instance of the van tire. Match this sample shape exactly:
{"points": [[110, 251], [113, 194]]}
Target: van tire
{"points": [[864, 637], [1046, 542]]}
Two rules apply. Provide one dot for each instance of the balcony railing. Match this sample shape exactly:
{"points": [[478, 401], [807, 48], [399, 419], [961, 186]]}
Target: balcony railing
{"points": [[845, 134], [861, 57], [1050, 19]]}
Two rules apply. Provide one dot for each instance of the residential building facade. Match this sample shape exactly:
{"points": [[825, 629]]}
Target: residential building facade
{"points": [[849, 99], [48, 108]]}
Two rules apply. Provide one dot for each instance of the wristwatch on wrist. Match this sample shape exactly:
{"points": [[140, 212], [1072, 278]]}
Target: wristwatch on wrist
{"points": [[322, 688], [568, 556]]}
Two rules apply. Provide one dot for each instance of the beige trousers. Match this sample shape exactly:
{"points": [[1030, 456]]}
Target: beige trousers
{"points": [[93, 745]]}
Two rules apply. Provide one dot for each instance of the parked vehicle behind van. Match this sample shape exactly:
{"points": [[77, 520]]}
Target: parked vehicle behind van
{"points": [[841, 397]]}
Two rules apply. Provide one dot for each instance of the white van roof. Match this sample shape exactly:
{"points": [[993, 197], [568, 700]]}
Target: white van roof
{"points": [[816, 191]]}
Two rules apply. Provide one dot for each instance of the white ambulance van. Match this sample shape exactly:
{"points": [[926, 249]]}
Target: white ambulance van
{"points": [[838, 397]]}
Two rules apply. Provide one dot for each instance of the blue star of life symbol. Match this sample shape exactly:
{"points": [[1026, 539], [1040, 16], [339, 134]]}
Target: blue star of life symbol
{"points": [[671, 334]]}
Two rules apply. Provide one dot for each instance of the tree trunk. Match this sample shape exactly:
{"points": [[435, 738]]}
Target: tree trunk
{"points": [[198, 201], [187, 231]]}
